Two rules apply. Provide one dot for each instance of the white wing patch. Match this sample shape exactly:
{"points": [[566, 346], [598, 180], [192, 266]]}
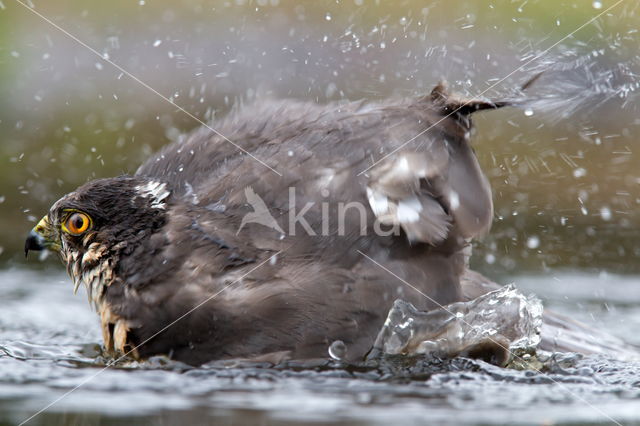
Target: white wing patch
{"points": [[421, 217], [379, 202], [409, 210], [156, 191], [396, 195]]}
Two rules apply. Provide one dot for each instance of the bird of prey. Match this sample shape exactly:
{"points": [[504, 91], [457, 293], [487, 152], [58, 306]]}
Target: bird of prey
{"points": [[367, 199]]}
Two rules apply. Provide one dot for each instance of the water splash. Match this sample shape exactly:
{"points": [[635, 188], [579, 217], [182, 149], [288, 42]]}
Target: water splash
{"points": [[491, 327], [578, 81]]}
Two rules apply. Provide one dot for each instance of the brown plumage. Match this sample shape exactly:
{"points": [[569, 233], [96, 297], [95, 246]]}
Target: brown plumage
{"points": [[172, 236]]}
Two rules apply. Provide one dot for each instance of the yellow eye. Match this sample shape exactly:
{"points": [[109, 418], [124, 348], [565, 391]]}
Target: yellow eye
{"points": [[77, 223]]}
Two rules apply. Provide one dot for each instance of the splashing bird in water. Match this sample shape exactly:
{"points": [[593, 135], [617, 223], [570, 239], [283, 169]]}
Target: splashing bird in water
{"points": [[169, 274]]}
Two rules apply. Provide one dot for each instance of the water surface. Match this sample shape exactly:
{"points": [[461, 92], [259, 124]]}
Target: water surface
{"points": [[49, 345]]}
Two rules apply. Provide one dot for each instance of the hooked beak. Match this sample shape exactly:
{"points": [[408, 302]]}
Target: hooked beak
{"points": [[39, 238], [35, 242]]}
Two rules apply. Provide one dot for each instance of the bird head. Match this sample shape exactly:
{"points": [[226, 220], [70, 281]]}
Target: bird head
{"points": [[93, 225]]}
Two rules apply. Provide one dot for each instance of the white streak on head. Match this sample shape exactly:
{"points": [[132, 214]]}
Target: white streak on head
{"points": [[156, 191], [378, 202], [409, 210]]}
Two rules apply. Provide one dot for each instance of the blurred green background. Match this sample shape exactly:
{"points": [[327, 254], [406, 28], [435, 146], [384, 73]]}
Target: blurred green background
{"points": [[565, 172]]}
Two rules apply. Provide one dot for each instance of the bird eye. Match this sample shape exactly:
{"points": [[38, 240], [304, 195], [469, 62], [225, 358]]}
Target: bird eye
{"points": [[77, 223]]}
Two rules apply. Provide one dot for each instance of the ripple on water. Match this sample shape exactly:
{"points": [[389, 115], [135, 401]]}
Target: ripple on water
{"points": [[48, 346]]}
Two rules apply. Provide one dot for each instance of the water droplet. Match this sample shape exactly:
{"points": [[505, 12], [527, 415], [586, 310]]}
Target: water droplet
{"points": [[597, 4], [338, 350], [605, 213], [533, 242], [528, 112], [579, 172], [157, 43], [327, 17]]}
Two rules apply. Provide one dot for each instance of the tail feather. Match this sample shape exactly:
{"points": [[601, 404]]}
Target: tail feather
{"points": [[450, 103]]}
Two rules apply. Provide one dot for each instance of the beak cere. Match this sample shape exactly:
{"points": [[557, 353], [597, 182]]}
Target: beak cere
{"points": [[36, 240]]}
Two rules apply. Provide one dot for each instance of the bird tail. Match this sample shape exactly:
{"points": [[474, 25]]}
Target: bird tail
{"points": [[452, 103]]}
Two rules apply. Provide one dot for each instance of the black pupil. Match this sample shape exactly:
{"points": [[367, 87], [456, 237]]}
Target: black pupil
{"points": [[78, 221]]}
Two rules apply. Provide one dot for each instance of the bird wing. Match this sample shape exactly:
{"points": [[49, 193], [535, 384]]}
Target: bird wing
{"points": [[408, 162]]}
